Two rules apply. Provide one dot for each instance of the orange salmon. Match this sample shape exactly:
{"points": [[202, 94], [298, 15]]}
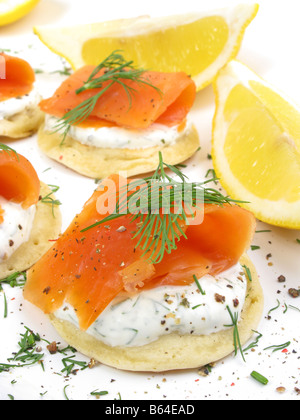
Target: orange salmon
{"points": [[19, 79], [19, 181], [168, 104], [89, 269]]}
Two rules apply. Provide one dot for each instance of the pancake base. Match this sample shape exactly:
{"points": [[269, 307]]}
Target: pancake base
{"points": [[45, 227], [23, 124], [174, 351], [98, 163]]}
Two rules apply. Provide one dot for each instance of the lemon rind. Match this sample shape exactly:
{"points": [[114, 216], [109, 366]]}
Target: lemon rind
{"points": [[278, 213], [18, 12], [238, 19]]}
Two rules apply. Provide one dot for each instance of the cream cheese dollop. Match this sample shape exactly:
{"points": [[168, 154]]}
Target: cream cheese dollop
{"points": [[14, 106], [122, 138], [16, 227], [142, 319]]}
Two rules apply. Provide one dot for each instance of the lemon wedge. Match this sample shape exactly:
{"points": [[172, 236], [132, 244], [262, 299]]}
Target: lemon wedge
{"points": [[256, 145], [199, 44], [13, 10]]}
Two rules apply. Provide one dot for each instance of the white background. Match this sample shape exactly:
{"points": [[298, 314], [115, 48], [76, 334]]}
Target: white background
{"points": [[271, 49]]}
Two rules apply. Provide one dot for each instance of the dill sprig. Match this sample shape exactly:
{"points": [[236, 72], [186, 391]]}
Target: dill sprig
{"points": [[17, 279], [69, 365], [113, 69], [147, 202], [27, 354], [48, 199], [8, 149], [236, 336]]}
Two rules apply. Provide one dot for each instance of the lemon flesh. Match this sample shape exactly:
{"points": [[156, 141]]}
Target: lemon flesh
{"points": [[199, 44], [256, 146], [202, 51], [13, 10]]}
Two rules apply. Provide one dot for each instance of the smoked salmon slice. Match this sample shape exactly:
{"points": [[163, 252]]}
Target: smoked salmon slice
{"points": [[1, 215], [89, 269], [19, 77], [168, 103], [19, 181]]}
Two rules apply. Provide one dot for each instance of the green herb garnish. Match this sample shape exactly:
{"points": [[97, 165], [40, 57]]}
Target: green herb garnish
{"points": [[17, 279], [27, 354], [65, 392], [276, 307], [254, 247], [248, 272], [5, 302], [199, 285], [158, 233], [116, 70], [278, 347], [8, 149], [48, 199], [213, 175], [97, 393], [236, 336], [69, 364], [254, 344], [260, 378]]}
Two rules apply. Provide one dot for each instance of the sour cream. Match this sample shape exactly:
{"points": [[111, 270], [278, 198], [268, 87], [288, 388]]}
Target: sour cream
{"points": [[16, 227], [144, 318], [121, 138], [14, 106]]}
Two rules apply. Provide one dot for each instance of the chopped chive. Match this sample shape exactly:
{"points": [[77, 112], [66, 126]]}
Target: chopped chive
{"points": [[236, 336], [5, 306], [294, 307], [260, 378], [99, 393], [254, 247], [254, 344], [248, 272], [197, 306], [278, 347], [276, 307], [5, 301], [199, 285], [65, 393]]}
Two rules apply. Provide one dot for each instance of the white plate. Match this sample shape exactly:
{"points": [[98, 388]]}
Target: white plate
{"points": [[270, 48]]}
